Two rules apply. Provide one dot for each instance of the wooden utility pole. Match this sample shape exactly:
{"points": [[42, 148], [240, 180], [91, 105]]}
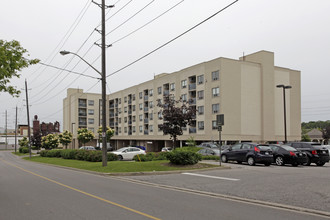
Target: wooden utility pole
{"points": [[16, 131], [28, 117]]}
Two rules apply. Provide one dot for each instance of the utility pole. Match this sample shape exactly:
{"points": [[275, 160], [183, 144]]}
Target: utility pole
{"points": [[28, 117], [16, 131], [6, 131]]}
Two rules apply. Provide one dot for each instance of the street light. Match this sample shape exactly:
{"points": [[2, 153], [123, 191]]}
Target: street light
{"points": [[103, 78], [284, 103]]}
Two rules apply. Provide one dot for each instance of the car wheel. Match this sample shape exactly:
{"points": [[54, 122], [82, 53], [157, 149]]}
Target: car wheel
{"points": [[279, 161], [224, 158], [120, 157], [320, 163], [308, 162], [251, 161], [267, 164]]}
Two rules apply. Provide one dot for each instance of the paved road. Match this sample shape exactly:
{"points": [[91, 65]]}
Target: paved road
{"points": [[36, 191]]}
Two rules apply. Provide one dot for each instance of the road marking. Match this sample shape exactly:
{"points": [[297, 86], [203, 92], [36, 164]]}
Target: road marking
{"points": [[85, 193], [213, 177]]}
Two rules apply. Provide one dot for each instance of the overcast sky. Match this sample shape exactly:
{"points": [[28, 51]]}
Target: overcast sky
{"points": [[297, 31]]}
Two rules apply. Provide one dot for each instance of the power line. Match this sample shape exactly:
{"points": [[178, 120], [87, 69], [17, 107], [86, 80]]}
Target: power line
{"points": [[173, 39]]}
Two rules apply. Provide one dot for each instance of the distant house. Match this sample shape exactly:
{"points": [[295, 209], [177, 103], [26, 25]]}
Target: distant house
{"points": [[315, 135]]}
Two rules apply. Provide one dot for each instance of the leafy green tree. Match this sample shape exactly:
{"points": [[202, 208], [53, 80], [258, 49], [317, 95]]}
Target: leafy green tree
{"points": [[24, 142], [175, 115], [85, 135], [50, 141], [109, 133], [191, 141], [36, 141], [65, 138], [326, 134], [305, 138], [12, 60]]}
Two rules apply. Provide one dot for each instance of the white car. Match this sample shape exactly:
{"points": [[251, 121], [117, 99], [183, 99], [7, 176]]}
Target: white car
{"points": [[127, 153], [87, 148]]}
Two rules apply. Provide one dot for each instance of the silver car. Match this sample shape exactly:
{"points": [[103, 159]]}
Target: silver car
{"points": [[209, 152], [127, 153]]}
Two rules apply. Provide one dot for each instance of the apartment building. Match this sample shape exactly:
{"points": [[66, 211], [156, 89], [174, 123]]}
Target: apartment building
{"points": [[244, 90]]}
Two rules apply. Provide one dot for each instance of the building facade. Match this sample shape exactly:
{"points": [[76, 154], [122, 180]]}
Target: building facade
{"points": [[243, 90]]}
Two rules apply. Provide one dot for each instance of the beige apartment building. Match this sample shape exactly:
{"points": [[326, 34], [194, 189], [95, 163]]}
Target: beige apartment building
{"points": [[243, 90]]}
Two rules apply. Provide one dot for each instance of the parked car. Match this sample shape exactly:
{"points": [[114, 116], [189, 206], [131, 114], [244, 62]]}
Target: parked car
{"points": [[127, 153], [284, 154], [87, 148], [248, 152], [316, 153], [327, 147], [208, 145], [166, 149], [209, 152]]}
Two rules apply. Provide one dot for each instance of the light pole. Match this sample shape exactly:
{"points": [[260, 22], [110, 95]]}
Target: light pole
{"points": [[103, 78], [284, 104], [73, 144]]}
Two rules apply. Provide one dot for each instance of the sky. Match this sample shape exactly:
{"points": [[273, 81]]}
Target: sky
{"points": [[297, 31]]}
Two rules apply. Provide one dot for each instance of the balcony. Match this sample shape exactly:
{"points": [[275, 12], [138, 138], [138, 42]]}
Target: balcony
{"points": [[146, 132], [192, 86], [129, 132], [146, 98], [112, 115], [129, 102], [192, 101], [166, 92], [112, 106], [146, 121], [146, 109], [112, 124], [129, 122]]}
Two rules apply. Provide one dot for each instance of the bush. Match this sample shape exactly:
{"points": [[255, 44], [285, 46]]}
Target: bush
{"points": [[53, 153], [69, 154], [23, 150], [112, 157], [81, 155], [44, 153], [94, 156], [191, 149], [143, 157], [183, 157]]}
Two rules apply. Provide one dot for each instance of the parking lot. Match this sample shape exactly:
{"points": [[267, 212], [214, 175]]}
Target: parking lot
{"points": [[302, 186]]}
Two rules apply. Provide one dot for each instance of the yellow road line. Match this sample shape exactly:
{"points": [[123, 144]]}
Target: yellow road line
{"points": [[85, 193]]}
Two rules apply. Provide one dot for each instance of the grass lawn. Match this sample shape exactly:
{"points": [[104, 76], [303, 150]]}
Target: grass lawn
{"points": [[117, 166], [21, 154]]}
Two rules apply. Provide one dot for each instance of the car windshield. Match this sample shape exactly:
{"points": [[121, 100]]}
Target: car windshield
{"points": [[121, 149], [288, 148]]}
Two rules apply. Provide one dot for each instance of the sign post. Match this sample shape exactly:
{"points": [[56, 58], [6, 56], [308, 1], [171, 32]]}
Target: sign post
{"points": [[220, 123]]}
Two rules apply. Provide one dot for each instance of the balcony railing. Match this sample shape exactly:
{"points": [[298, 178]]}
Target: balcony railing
{"points": [[192, 130], [146, 132], [146, 120], [166, 92], [146, 98], [192, 86], [146, 109]]}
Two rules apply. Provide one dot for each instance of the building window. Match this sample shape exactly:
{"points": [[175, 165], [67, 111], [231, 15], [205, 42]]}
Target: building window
{"points": [[140, 117], [119, 110], [200, 79], [159, 89], [119, 120], [172, 86], [125, 99], [160, 116], [200, 110], [91, 129], [215, 75], [125, 119], [184, 97], [119, 129], [151, 92], [125, 109], [151, 104], [214, 125], [200, 94], [215, 92], [151, 116], [90, 111], [119, 101], [215, 108], [91, 102], [133, 108], [140, 95], [201, 125], [183, 84], [125, 129], [133, 128], [140, 128], [151, 128], [91, 121], [133, 118], [141, 106]]}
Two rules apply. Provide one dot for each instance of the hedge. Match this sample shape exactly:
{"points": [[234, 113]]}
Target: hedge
{"points": [[182, 157]]}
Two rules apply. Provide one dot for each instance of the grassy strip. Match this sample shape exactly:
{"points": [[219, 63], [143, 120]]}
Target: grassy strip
{"points": [[21, 154], [115, 166]]}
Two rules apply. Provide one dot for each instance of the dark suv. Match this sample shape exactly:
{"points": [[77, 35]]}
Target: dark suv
{"points": [[248, 152], [315, 152]]}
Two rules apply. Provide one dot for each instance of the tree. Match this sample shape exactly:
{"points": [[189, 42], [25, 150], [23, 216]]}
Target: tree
{"points": [[326, 134], [36, 140], [305, 138], [176, 115], [12, 61], [85, 135], [65, 138], [24, 142], [50, 141], [109, 133]]}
